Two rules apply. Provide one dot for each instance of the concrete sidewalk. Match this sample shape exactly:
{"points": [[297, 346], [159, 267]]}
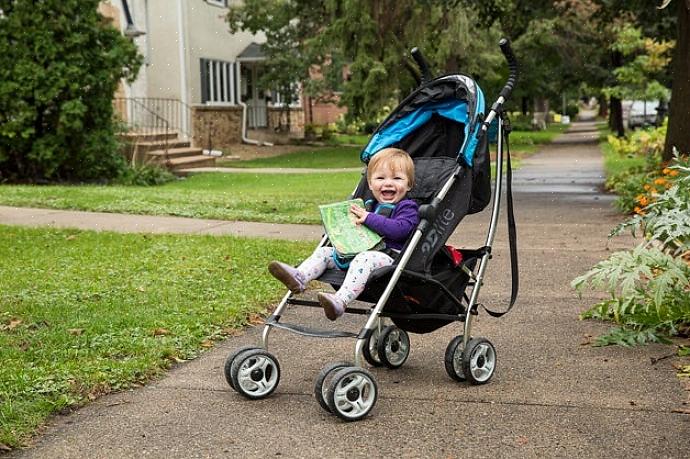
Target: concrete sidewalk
{"points": [[552, 395]]}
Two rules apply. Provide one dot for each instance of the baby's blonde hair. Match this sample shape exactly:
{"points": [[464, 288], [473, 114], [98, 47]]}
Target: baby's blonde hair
{"points": [[395, 159]]}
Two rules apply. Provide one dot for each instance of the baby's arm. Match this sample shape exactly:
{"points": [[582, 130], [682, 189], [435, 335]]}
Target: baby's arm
{"points": [[400, 226]]}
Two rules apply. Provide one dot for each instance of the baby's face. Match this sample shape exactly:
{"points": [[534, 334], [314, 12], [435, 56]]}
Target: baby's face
{"points": [[389, 185]]}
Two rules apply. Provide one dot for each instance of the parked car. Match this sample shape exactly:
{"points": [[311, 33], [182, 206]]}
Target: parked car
{"points": [[642, 113]]}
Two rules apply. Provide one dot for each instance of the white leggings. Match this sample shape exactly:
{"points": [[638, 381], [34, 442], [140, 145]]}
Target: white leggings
{"points": [[357, 274]]}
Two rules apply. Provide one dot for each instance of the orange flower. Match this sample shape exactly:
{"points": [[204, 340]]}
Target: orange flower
{"points": [[642, 199], [638, 210], [647, 187], [666, 171], [673, 173], [660, 181]]}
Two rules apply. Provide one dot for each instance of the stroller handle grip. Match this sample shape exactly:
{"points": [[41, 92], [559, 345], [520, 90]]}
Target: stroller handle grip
{"points": [[507, 51], [422, 64]]}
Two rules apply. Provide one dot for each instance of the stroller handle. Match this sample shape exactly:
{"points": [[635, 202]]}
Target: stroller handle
{"points": [[422, 64], [507, 51]]}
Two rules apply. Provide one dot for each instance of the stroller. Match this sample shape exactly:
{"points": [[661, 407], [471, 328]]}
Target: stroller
{"points": [[444, 128]]}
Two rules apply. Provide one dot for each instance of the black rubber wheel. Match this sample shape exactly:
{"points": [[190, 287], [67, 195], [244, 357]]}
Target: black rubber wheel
{"points": [[393, 346], [352, 393], [230, 359], [323, 380], [255, 373], [453, 359], [479, 361], [371, 350]]}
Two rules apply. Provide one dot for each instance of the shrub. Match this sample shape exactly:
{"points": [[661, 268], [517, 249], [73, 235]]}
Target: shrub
{"points": [[60, 63], [145, 175], [649, 285]]}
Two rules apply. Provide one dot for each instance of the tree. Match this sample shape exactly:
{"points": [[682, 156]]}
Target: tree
{"points": [[371, 37], [60, 63], [678, 134]]}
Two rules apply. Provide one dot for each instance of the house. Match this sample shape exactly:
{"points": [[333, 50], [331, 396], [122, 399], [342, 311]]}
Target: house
{"points": [[197, 75]]}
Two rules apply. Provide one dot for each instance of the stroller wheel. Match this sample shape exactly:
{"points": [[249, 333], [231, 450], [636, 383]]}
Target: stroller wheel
{"points": [[324, 379], [371, 350], [393, 346], [255, 373], [230, 359], [352, 393], [453, 359], [479, 361]]}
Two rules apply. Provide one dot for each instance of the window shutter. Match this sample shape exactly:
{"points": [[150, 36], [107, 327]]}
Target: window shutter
{"points": [[204, 63]]}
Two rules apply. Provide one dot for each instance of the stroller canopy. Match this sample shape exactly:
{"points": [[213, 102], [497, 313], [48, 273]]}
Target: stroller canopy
{"points": [[454, 97]]}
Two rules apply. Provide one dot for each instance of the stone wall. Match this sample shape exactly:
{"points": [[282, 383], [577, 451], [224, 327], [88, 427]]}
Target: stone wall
{"points": [[223, 123]]}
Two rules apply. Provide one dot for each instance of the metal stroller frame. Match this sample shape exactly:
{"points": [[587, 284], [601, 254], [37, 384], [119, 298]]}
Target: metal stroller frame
{"points": [[350, 391]]}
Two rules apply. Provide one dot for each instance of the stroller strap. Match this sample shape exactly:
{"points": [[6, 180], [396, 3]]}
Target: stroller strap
{"points": [[512, 233]]}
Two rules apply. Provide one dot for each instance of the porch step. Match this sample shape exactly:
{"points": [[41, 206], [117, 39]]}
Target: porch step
{"points": [[190, 162], [145, 147], [160, 155], [155, 136]]}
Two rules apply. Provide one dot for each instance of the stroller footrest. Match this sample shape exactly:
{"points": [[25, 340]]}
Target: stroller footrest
{"points": [[314, 332]]}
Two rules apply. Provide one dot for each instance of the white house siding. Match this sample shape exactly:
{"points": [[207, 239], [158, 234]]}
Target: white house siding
{"points": [[205, 36]]}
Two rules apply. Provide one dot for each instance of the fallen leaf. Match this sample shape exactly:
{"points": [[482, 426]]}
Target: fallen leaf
{"points": [[4, 447], [521, 440], [75, 331], [71, 237], [14, 323], [161, 332], [681, 410], [141, 288], [207, 343], [256, 319]]}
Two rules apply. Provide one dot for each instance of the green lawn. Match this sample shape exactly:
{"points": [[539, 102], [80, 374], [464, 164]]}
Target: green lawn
{"points": [[311, 157], [275, 198], [84, 313]]}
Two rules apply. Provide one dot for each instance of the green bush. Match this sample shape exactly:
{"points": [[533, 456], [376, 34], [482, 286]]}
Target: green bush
{"points": [[145, 175], [60, 63], [649, 286]]}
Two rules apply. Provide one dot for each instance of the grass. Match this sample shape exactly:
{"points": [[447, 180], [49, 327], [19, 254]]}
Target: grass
{"points": [[311, 157], [274, 198], [85, 313]]}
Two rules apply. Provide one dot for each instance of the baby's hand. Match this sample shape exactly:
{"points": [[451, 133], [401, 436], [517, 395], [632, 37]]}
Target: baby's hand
{"points": [[359, 213]]}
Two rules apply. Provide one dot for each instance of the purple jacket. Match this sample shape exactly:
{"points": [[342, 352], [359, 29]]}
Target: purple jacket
{"points": [[398, 227]]}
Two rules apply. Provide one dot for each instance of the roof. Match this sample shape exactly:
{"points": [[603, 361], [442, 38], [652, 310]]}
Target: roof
{"points": [[252, 52]]}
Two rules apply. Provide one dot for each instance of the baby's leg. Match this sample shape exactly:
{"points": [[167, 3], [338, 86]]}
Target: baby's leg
{"points": [[316, 264], [296, 279], [360, 269]]}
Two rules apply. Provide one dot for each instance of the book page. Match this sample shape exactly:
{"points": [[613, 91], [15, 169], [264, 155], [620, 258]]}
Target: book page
{"points": [[347, 237]]}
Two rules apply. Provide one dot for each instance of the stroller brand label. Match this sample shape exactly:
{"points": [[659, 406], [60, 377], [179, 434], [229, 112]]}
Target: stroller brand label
{"points": [[437, 230]]}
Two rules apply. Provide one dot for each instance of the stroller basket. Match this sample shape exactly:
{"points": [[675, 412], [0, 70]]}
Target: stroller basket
{"points": [[443, 126]]}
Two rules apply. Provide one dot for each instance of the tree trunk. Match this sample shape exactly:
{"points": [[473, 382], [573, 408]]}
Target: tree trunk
{"points": [[616, 117], [678, 134]]}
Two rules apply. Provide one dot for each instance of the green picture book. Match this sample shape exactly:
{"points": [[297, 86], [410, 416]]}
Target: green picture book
{"points": [[347, 237]]}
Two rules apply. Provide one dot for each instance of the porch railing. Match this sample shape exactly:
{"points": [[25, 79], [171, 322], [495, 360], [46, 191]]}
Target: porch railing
{"points": [[147, 113], [141, 122]]}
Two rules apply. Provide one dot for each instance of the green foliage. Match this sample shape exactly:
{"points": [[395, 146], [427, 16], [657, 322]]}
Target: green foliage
{"points": [[145, 175], [82, 317], [637, 186], [649, 286], [371, 40], [647, 59], [60, 63]]}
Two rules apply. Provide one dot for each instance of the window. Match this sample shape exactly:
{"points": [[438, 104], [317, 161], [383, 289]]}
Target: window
{"points": [[218, 82], [221, 3]]}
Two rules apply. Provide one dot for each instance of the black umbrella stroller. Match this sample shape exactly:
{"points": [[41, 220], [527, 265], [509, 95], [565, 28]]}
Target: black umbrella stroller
{"points": [[444, 128]]}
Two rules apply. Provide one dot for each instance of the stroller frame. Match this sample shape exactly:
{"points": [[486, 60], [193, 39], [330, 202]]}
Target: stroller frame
{"points": [[350, 392]]}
